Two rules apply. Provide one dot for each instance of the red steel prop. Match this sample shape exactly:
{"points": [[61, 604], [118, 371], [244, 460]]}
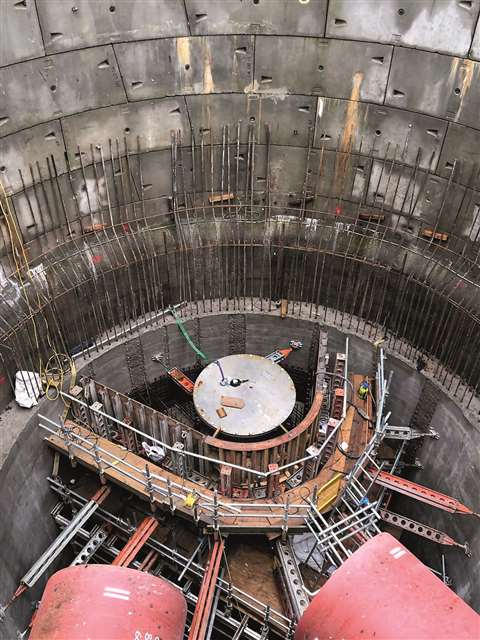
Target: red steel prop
{"points": [[421, 529], [205, 597], [137, 541], [419, 492]]}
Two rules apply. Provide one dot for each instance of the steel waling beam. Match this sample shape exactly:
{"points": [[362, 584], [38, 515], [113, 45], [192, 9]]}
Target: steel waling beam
{"points": [[203, 607], [419, 492], [291, 578], [136, 542], [57, 546]]}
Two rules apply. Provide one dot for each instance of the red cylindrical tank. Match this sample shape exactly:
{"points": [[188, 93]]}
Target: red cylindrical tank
{"points": [[103, 602], [383, 591]]}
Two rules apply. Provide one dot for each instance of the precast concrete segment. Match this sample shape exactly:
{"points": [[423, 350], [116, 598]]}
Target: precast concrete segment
{"points": [[383, 576], [101, 601], [21, 37], [44, 89], [441, 26], [282, 16], [91, 22]]}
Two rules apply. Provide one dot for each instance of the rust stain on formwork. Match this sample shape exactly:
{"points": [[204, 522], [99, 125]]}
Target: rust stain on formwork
{"points": [[349, 132], [184, 58], [453, 71], [183, 50], [467, 70], [208, 85]]}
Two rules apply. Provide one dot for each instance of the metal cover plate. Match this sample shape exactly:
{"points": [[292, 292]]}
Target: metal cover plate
{"points": [[269, 395]]}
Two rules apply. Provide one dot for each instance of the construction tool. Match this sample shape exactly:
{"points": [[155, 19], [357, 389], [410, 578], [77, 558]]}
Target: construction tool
{"points": [[281, 354], [176, 375]]}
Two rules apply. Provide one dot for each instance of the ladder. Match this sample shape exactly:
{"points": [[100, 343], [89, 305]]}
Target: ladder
{"points": [[340, 537]]}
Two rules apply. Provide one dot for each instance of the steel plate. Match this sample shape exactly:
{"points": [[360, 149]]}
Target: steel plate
{"points": [[269, 395]]}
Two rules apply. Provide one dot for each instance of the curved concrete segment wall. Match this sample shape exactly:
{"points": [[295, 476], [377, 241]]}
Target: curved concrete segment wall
{"points": [[416, 59], [372, 107], [369, 105]]}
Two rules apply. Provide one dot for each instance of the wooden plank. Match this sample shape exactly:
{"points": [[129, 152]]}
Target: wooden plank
{"points": [[230, 401], [117, 466], [436, 235], [220, 197]]}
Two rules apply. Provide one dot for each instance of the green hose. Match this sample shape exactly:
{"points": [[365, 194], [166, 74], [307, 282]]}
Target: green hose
{"points": [[187, 337]]}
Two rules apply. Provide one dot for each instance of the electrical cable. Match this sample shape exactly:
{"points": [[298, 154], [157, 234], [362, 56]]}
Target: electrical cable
{"points": [[52, 375], [187, 337], [347, 455]]}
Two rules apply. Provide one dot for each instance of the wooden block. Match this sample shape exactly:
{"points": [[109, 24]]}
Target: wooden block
{"points": [[283, 308], [235, 403], [371, 217], [220, 197], [56, 463], [93, 228], [437, 235], [221, 413]]}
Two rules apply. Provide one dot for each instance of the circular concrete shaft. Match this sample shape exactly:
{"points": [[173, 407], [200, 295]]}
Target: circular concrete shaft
{"points": [[263, 392]]}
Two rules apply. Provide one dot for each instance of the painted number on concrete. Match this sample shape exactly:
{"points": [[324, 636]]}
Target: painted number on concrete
{"points": [[145, 636]]}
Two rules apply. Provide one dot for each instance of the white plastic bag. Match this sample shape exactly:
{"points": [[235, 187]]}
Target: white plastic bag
{"points": [[154, 452], [28, 388]]}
